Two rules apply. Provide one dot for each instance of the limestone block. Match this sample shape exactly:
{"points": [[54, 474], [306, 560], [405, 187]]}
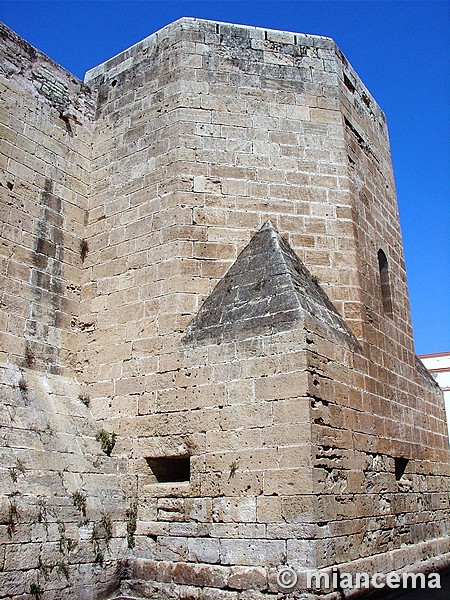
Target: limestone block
{"points": [[300, 509], [288, 482], [287, 531], [16, 582], [25, 554], [281, 386], [291, 410], [251, 578], [252, 552], [301, 554], [252, 531], [277, 435], [269, 509], [217, 594], [203, 550], [242, 510], [198, 509], [172, 548], [214, 484]]}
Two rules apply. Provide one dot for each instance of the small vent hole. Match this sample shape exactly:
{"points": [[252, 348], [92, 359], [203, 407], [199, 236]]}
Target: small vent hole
{"points": [[348, 84], [400, 467], [170, 469]]}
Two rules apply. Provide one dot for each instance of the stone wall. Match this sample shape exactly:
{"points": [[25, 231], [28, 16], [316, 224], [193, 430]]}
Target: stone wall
{"points": [[215, 266], [62, 499], [47, 118]]}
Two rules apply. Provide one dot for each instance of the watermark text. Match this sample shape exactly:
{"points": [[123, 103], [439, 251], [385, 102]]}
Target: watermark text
{"points": [[334, 579]]}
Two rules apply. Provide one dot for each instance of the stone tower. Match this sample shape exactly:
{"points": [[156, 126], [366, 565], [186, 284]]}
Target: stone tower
{"points": [[209, 369]]}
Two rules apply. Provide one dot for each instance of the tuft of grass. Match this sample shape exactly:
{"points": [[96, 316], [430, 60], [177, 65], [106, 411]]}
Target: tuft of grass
{"points": [[42, 515], [13, 517], [95, 540], [84, 249], [44, 569], [84, 399], [36, 590], [63, 568], [23, 385], [79, 501], [107, 441], [62, 536], [131, 514], [49, 430], [14, 471], [233, 468], [106, 523], [29, 356]]}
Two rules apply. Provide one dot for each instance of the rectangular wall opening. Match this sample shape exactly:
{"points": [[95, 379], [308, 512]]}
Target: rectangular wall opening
{"points": [[400, 467], [170, 469]]}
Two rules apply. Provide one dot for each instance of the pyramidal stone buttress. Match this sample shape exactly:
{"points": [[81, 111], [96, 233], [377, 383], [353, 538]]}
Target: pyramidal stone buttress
{"points": [[268, 289]]}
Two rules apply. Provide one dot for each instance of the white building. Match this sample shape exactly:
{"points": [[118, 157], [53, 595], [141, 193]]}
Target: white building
{"points": [[439, 366]]}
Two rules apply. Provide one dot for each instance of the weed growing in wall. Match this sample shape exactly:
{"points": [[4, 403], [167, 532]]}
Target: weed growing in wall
{"points": [[107, 441], [84, 399], [95, 540], [66, 545], [62, 536], [49, 430], [233, 468], [63, 569], [79, 501], [106, 524], [101, 536], [42, 515], [44, 569], [131, 515], [36, 590], [13, 517], [84, 249], [14, 471], [23, 385], [29, 356]]}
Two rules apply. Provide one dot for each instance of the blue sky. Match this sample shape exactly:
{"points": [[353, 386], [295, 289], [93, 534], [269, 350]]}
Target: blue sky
{"points": [[400, 49]]}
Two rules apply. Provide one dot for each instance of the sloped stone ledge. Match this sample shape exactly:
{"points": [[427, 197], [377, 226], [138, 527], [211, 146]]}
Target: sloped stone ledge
{"points": [[164, 579]]}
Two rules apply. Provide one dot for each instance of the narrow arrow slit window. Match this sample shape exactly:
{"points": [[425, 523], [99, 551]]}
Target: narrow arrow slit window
{"points": [[384, 282]]}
